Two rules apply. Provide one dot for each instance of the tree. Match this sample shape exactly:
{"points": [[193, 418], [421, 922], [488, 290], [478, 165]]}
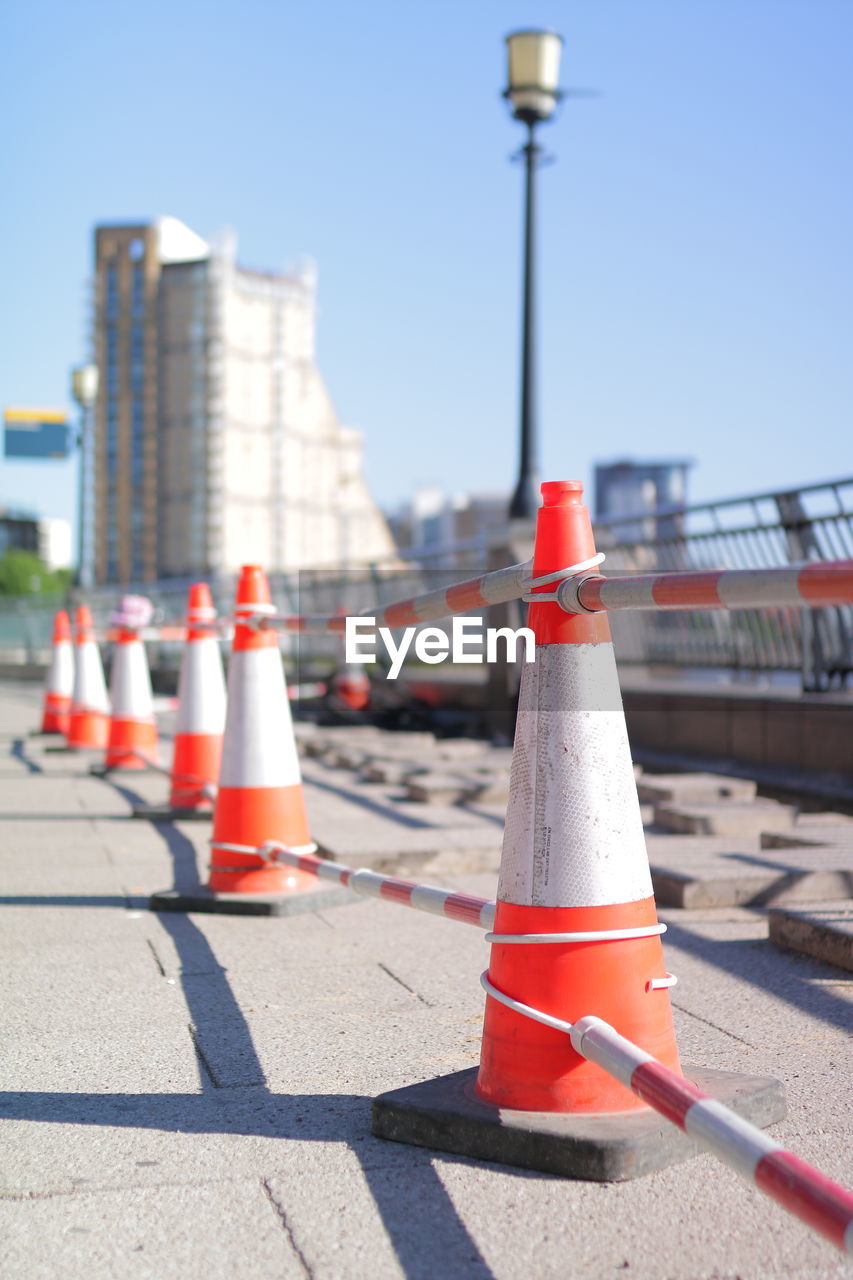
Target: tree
{"points": [[23, 574]]}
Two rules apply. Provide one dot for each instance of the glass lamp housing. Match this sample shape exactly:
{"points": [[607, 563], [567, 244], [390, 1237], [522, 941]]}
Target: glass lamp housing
{"points": [[533, 72]]}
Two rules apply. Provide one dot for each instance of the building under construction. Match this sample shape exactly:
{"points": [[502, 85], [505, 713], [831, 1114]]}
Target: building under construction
{"points": [[213, 440]]}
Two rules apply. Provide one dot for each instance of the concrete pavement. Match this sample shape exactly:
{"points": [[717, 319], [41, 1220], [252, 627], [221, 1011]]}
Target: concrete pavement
{"points": [[189, 1096]]}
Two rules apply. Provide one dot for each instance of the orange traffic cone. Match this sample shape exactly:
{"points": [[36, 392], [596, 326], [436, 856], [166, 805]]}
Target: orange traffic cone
{"points": [[575, 931], [350, 690], [56, 715], [201, 709], [200, 720], [574, 859], [260, 786], [132, 742], [89, 722], [259, 797]]}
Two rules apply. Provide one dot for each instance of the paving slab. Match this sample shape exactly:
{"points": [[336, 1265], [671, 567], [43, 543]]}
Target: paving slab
{"points": [[440, 788], [834, 834], [125, 1153], [823, 930], [692, 788], [127, 1233], [723, 879], [388, 769], [370, 825], [725, 817]]}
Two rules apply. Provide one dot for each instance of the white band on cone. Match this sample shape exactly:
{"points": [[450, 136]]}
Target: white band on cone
{"points": [[90, 689], [60, 673], [574, 834], [258, 747], [130, 685], [201, 688]]}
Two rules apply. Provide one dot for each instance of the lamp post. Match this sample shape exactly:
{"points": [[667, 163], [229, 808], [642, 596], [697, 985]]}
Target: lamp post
{"points": [[84, 389], [533, 71]]}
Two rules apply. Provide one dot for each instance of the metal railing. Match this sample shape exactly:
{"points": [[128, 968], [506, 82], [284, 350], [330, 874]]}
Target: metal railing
{"points": [[763, 530]]}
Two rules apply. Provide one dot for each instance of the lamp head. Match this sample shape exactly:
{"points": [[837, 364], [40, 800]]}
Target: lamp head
{"points": [[84, 385], [533, 71]]}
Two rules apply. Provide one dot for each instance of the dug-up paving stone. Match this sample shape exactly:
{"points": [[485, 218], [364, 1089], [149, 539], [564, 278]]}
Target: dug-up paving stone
{"points": [[381, 769], [439, 788], [332, 737], [691, 788], [419, 851], [704, 878], [346, 757], [808, 834], [412, 748], [827, 819], [457, 788], [459, 748], [395, 769], [823, 930], [725, 818], [493, 788], [405, 741]]}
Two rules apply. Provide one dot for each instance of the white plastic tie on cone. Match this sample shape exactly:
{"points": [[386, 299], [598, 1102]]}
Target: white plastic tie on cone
{"points": [[574, 833]]}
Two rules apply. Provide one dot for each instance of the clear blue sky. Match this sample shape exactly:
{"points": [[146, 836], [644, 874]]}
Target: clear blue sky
{"points": [[696, 294]]}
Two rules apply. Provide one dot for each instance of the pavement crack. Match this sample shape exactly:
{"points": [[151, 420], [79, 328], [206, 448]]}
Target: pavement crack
{"points": [[319, 916], [157, 960], [403, 984], [709, 1023], [203, 1058], [286, 1227]]}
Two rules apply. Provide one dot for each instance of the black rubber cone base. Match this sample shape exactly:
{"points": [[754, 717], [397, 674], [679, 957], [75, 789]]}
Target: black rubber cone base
{"points": [[164, 813], [446, 1115], [103, 770], [200, 898]]}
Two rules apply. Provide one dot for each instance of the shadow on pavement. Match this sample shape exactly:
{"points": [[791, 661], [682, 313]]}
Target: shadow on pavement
{"points": [[375, 806], [18, 750], [782, 974], [235, 1098]]}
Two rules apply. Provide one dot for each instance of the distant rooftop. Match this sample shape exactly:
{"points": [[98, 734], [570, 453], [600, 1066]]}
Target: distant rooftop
{"points": [[176, 242]]}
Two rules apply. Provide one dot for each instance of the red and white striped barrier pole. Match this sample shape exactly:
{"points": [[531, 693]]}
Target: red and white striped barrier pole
{"points": [[793, 1183], [811, 586], [464, 907], [475, 593], [790, 1181], [808, 587]]}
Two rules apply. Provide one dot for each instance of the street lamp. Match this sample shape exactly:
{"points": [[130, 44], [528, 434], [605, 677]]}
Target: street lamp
{"points": [[534, 68], [84, 389]]}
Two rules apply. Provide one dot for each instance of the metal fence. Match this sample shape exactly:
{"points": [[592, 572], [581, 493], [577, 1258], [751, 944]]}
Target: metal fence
{"points": [[758, 531]]}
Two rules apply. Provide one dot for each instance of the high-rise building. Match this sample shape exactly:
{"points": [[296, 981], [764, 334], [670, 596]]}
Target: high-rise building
{"points": [[215, 442], [655, 493], [453, 531], [19, 531]]}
